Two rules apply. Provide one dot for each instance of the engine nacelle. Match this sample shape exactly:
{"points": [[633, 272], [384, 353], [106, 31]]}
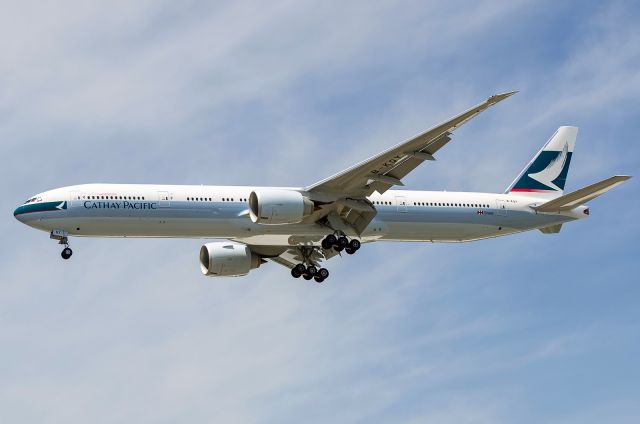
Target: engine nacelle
{"points": [[278, 206], [227, 259]]}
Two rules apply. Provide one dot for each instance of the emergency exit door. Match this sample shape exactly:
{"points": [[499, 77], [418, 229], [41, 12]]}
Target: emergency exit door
{"points": [[401, 202], [164, 199], [502, 208]]}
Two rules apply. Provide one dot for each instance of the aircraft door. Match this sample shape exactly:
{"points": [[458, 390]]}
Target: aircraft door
{"points": [[401, 202], [75, 198], [502, 208], [164, 199]]}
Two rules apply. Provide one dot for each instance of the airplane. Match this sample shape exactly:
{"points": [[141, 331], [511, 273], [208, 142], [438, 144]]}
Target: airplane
{"points": [[302, 227]]}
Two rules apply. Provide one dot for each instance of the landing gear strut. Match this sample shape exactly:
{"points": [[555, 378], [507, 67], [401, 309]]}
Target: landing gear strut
{"points": [[62, 238]]}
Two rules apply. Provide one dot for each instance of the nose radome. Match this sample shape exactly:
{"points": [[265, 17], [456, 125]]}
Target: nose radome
{"points": [[18, 213]]}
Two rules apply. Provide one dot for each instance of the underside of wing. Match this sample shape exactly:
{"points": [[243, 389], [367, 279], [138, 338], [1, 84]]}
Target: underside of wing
{"points": [[291, 256]]}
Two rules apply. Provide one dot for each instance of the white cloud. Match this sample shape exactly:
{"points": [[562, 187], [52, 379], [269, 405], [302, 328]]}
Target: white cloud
{"points": [[406, 332]]}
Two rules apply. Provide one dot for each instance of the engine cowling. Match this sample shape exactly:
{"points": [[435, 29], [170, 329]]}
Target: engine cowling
{"points": [[227, 259], [278, 206]]}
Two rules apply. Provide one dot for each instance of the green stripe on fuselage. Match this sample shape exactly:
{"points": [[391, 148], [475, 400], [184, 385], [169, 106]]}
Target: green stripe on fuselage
{"points": [[40, 207]]}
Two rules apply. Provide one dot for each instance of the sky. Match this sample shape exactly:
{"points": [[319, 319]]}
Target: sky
{"points": [[529, 328]]}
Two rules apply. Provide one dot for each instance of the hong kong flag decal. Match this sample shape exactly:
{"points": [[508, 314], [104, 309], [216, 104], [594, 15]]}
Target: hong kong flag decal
{"points": [[480, 212]]}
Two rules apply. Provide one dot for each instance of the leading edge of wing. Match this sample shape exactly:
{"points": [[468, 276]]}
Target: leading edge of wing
{"points": [[363, 168]]}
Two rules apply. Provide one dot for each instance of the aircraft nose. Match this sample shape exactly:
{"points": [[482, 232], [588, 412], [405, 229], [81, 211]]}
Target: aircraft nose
{"points": [[17, 214]]}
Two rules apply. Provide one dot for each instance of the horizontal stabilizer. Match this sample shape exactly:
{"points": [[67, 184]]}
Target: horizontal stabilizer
{"points": [[581, 196]]}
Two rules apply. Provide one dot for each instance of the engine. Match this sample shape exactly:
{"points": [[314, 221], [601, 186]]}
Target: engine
{"points": [[227, 259], [278, 206]]}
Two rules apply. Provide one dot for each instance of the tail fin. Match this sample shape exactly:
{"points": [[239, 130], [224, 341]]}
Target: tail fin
{"points": [[546, 174]]}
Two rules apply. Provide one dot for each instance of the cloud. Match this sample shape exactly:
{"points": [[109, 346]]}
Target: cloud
{"points": [[241, 93]]}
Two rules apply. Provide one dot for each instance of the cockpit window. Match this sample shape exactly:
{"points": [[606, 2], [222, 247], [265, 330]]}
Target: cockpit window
{"points": [[33, 199]]}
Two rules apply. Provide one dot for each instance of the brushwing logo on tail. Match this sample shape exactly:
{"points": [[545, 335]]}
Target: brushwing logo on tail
{"points": [[553, 170]]}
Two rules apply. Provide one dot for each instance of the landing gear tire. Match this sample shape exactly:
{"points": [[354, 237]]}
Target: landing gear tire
{"points": [[350, 251], [354, 244], [318, 279], [322, 273], [338, 248], [300, 268], [343, 241], [307, 276], [295, 273], [311, 270], [66, 253], [329, 241]]}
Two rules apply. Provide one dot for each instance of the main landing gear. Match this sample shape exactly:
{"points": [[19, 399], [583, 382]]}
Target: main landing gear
{"points": [[341, 243], [309, 272], [308, 269]]}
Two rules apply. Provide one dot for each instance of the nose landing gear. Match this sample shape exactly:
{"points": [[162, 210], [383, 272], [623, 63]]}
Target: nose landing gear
{"points": [[66, 252], [62, 237]]}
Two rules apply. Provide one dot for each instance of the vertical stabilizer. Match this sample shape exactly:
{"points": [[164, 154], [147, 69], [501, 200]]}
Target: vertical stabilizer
{"points": [[546, 174]]}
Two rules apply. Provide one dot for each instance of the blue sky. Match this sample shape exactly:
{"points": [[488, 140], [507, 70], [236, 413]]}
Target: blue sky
{"points": [[530, 328]]}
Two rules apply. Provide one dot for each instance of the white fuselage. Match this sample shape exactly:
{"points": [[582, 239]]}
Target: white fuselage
{"points": [[134, 210]]}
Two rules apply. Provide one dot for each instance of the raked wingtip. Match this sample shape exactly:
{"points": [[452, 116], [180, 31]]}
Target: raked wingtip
{"points": [[501, 96]]}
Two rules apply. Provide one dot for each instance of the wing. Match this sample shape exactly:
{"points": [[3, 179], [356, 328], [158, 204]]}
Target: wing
{"points": [[387, 169], [341, 199]]}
